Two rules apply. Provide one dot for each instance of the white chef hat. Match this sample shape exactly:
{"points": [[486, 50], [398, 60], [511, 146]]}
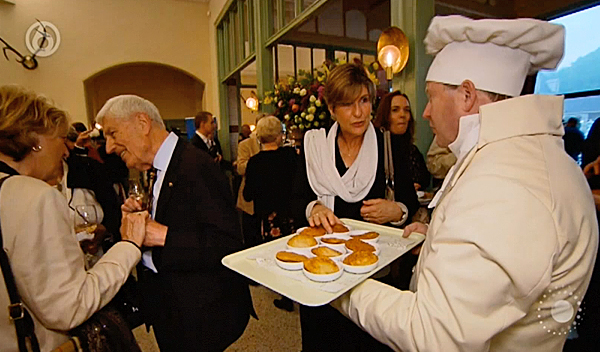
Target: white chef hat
{"points": [[496, 55]]}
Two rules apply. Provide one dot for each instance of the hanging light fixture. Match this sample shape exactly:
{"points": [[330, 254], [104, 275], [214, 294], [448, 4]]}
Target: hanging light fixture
{"points": [[392, 51], [252, 101]]}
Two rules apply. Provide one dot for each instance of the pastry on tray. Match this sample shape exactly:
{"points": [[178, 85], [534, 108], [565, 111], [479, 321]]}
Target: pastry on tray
{"points": [[290, 257], [361, 258], [366, 236], [314, 231], [325, 252], [302, 241], [321, 266], [333, 240], [356, 245], [338, 228]]}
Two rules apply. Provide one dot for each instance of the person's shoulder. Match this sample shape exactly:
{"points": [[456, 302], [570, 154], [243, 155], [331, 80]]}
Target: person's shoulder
{"points": [[28, 188]]}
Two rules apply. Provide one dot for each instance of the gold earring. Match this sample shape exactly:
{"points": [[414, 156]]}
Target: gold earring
{"points": [[37, 148]]}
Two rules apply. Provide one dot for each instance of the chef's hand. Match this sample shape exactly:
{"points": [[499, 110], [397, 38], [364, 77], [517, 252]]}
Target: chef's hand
{"points": [[418, 227], [321, 215], [381, 211]]}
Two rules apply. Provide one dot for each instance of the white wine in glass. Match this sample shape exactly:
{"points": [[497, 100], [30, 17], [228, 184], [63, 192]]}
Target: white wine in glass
{"points": [[137, 191], [86, 219]]}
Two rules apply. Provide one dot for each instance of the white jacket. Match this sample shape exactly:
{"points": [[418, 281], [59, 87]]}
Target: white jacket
{"points": [[514, 235], [48, 264]]}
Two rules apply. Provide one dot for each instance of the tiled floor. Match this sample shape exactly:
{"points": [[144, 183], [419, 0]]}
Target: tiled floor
{"points": [[276, 330]]}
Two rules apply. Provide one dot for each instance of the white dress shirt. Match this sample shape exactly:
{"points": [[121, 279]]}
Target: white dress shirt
{"points": [[209, 142], [160, 163]]}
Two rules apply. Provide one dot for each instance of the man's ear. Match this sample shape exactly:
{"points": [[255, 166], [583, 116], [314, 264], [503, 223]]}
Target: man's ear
{"points": [[144, 123], [468, 96]]}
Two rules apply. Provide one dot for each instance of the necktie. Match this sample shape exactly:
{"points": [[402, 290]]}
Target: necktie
{"points": [[151, 181]]}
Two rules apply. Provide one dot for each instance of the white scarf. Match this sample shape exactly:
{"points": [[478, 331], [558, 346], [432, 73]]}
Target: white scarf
{"points": [[323, 176]]}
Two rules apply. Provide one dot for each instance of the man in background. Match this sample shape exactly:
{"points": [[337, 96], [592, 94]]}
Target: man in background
{"points": [[573, 138], [204, 136]]}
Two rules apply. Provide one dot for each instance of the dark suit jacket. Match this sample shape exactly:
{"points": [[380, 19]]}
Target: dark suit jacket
{"points": [[199, 143], [85, 172], [194, 302]]}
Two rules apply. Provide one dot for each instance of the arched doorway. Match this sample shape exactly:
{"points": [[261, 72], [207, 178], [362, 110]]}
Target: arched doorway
{"points": [[176, 93]]}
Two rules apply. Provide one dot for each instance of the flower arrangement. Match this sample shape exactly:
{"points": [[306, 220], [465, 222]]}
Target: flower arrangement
{"points": [[299, 102]]}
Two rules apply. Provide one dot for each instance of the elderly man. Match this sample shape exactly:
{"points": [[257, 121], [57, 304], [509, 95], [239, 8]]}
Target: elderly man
{"points": [[193, 302], [513, 238]]}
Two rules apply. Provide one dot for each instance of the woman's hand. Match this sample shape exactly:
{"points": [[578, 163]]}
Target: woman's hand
{"points": [[416, 227], [133, 227], [381, 211], [321, 215], [592, 168]]}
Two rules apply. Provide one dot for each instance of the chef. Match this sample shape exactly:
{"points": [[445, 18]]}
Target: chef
{"points": [[513, 238]]}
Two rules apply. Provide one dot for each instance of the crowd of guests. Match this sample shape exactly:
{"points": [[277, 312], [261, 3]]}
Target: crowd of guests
{"points": [[504, 203]]}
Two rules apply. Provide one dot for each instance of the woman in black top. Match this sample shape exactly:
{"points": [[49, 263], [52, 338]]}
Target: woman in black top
{"points": [[342, 176], [268, 184], [394, 114], [269, 176]]}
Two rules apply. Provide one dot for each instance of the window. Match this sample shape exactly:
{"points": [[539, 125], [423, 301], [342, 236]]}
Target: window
{"points": [[578, 74]]}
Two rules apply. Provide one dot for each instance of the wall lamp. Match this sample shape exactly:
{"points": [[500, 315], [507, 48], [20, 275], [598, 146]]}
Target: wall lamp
{"points": [[251, 102], [392, 51]]}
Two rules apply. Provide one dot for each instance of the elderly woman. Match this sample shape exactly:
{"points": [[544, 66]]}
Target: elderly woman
{"points": [[267, 184], [37, 235], [394, 114], [343, 176]]}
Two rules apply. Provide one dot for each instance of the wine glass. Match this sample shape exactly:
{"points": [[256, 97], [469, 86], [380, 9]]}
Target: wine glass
{"points": [[137, 191], [86, 218]]}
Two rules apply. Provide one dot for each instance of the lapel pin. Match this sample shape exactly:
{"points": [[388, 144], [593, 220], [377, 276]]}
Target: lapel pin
{"points": [[170, 184]]}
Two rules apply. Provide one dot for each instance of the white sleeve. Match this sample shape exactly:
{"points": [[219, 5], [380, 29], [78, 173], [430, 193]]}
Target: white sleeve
{"points": [[47, 261], [471, 282]]}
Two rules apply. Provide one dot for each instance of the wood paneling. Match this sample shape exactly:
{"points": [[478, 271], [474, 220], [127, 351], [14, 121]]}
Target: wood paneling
{"points": [[478, 8]]}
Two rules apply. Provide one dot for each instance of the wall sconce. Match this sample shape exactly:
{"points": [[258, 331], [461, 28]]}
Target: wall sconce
{"points": [[251, 102], [392, 51]]}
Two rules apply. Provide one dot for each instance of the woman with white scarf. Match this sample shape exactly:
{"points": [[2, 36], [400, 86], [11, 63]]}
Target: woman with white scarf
{"points": [[343, 177]]}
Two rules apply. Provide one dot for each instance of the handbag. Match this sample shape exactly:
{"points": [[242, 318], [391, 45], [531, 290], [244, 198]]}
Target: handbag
{"points": [[105, 331], [388, 163]]}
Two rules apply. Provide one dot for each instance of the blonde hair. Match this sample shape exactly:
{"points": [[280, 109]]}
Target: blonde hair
{"points": [[24, 113], [268, 129], [345, 83]]}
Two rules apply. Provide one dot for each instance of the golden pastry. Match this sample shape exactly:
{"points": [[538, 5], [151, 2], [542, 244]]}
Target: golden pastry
{"points": [[332, 240], [314, 231], [366, 236], [321, 266], [325, 252], [302, 241], [361, 258], [290, 257], [340, 228], [356, 245]]}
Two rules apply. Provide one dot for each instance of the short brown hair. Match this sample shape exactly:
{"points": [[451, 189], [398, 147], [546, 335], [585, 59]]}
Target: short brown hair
{"points": [[23, 113], [382, 117], [202, 116], [345, 83]]}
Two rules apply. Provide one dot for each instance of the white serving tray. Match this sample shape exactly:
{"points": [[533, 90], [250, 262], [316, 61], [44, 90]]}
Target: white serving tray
{"points": [[258, 264]]}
